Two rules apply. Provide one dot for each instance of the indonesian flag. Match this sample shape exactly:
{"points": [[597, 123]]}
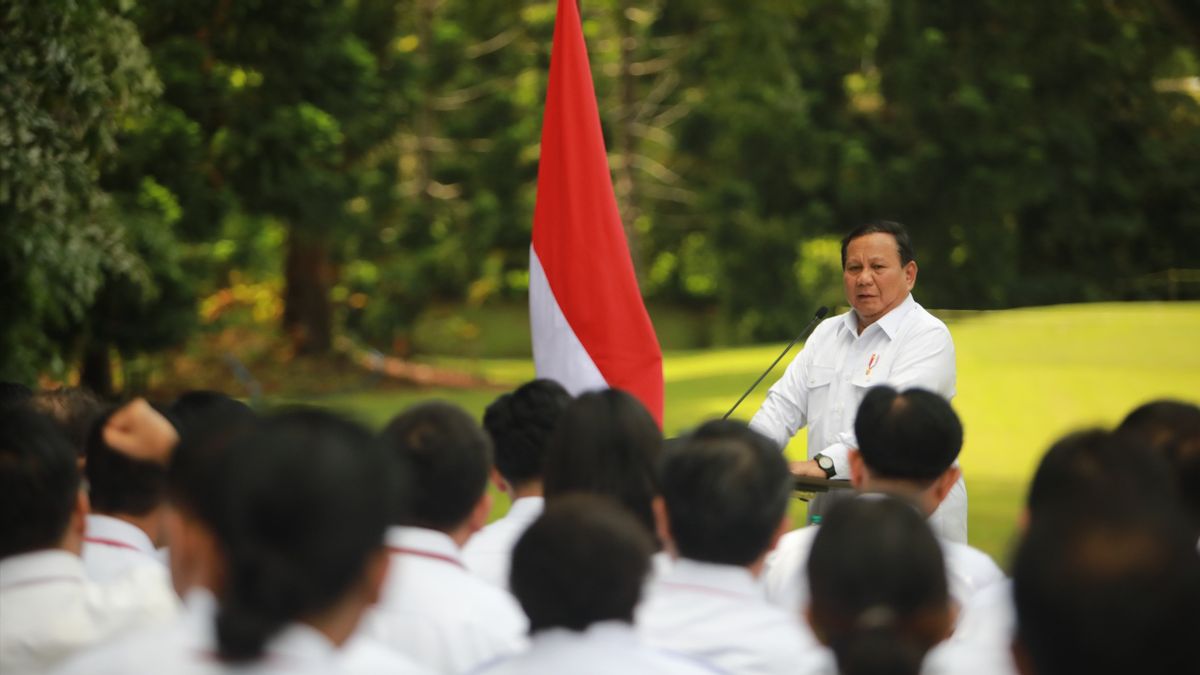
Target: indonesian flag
{"points": [[590, 328]]}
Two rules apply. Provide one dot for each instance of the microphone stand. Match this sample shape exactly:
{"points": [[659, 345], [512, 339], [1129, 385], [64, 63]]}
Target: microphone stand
{"points": [[821, 312]]}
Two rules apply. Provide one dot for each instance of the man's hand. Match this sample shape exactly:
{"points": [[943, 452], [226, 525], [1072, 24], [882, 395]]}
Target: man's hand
{"points": [[808, 469], [138, 431]]}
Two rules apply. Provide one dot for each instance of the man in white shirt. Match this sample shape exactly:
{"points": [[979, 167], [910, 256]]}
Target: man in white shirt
{"points": [[908, 444], [578, 572], [519, 424], [434, 610], [886, 338], [49, 609], [725, 492], [128, 505]]}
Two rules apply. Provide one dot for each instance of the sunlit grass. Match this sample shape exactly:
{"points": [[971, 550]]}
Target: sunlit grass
{"points": [[1025, 377]]}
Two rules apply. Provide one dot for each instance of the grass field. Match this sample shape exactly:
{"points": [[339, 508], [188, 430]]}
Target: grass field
{"points": [[1025, 377]]}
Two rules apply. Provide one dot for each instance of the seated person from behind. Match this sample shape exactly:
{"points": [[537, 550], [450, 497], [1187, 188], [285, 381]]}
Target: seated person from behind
{"points": [[725, 493], [578, 573]]}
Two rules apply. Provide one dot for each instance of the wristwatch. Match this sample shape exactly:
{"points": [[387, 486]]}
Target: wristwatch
{"points": [[826, 464]]}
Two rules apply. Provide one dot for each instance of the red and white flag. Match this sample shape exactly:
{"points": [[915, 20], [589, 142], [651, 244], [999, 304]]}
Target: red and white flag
{"points": [[590, 327]]}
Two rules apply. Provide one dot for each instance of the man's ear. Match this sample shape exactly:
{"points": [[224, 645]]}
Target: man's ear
{"points": [[662, 524], [910, 274], [498, 481], [479, 515], [857, 468], [944, 484]]}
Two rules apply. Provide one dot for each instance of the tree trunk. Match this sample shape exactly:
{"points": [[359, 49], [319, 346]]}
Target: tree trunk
{"points": [[95, 370], [308, 277]]}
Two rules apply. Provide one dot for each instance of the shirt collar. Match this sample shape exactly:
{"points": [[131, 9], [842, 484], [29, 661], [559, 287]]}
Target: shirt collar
{"points": [[889, 323], [300, 645], [732, 580], [617, 634], [526, 508], [47, 565], [102, 528], [424, 540]]}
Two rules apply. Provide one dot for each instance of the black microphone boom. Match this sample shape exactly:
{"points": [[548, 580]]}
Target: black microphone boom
{"points": [[821, 312]]}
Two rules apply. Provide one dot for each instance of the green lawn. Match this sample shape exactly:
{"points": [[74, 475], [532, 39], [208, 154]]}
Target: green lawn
{"points": [[1025, 377]]}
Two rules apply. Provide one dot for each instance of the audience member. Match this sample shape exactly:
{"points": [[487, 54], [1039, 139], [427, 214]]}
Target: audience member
{"points": [[432, 608], [128, 499], [519, 424], [725, 493], [879, 595], [48, 607], [578, 573], [1110, 591], [75, 411], [1172, 429], [908, 445]]}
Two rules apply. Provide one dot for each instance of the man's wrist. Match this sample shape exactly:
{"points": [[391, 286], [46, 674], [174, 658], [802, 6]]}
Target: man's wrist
{"points": [[826, 465]]}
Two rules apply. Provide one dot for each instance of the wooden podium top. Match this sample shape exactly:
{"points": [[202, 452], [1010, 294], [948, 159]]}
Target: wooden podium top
{"points": [[809, 484]]}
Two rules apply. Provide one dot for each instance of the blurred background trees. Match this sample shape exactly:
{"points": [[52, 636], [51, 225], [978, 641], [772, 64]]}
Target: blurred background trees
{"points": [[333, 171]]}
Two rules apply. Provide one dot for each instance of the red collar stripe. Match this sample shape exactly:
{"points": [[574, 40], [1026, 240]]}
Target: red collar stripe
{"points": [[110, 542]]}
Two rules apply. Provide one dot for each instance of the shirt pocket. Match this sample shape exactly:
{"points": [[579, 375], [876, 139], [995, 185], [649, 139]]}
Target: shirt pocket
{"points": [[818, 380]]}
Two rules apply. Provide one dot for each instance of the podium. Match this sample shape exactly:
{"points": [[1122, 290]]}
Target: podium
{"points": [[807, 487]]}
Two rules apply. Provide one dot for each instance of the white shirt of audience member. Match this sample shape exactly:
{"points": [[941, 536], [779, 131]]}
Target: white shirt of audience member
{"points": [[968, 570], [113, 547], [187, 646], [436, 612], [719, 614], [604, 648], [488, 552], [50, 610]]}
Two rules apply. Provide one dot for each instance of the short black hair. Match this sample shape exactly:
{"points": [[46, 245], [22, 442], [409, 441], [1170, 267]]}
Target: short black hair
{"points": [[39, 481], [606, 443], [1112, 591], [903, 242], [583, 561], [910, 435], [196, 411], [520, 423], [75, 411], [878, 585], [208, 427], [726, 489], [304, 509], [1172, 430], [117, 483], [1090, 467], [448, 458]]}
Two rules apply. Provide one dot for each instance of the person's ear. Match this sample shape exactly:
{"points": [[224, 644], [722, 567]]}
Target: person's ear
{"points": [[944, 484], [857, 468], [910, 274], [662, 524], [498, 481], [479, 515]]}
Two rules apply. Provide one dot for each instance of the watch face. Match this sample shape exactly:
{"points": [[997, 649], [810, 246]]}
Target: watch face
{"points": [[825, 463]]}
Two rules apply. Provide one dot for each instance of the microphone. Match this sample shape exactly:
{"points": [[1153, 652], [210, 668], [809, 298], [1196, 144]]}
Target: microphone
{"points": [[821, 312]]}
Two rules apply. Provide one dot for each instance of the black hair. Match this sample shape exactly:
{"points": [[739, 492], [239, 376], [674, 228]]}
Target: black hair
{"points": [[117, 483], [448, 458], [197, 411], [519, 423], [726, 489], [903, 242], [1112, 591], [914, 435], [878, 589], [583, 561], [39, 481], [75, 411], [1172, 430], [305, 507], [14, 393], [606, 443], [208, 425], [1087, 468]]}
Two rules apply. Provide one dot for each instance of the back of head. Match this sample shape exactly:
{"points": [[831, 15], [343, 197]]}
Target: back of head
{"points": [[583, 561], [1092, 467], [1172, 430], [1114, 591], [74, 409], [39, 482], [198, 411], [118, 484], [726, 489], [912, 435], [878, 587], [208, 424], [520, 423], [447, 456], [606, 443], [903, 241], [304, 508]]}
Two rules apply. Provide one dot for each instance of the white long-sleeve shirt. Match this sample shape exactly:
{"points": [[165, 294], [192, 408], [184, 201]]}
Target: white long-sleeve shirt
{"points": [[436, 612], [720, 615], [824, 385], [488, 554], [113, 547]]}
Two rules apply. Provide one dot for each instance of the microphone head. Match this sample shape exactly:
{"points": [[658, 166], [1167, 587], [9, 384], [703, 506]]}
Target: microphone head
{"points": [[821, 312]]}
